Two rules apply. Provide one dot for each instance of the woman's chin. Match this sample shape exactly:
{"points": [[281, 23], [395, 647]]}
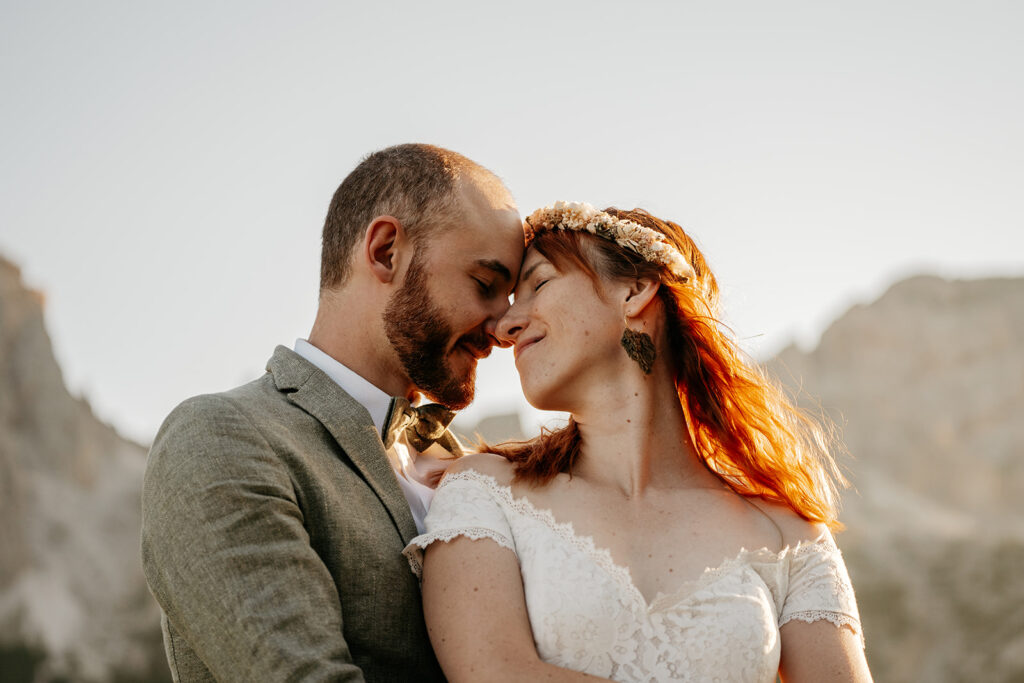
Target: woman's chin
{"points": [[543, 399]]}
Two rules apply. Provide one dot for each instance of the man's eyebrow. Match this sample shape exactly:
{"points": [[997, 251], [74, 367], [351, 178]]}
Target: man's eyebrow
{"points": [[497, 266]]}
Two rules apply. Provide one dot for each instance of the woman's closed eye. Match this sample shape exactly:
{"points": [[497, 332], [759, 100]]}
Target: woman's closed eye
{"points": [[540, 284]]}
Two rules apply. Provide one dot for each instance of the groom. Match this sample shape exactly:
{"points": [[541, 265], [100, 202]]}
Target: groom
{"points": [[273, 515]]}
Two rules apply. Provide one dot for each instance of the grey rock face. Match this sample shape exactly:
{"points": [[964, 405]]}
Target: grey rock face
{"points": [[73, 601], [927, 385]]}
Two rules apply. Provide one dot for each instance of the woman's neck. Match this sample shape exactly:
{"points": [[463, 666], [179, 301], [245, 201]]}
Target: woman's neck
{"points": [[634, 438]]}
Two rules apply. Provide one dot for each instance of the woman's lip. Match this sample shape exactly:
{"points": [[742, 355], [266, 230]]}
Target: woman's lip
{"points": [[519, 349]]}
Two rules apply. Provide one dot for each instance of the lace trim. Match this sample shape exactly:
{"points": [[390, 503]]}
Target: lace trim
{"points": [[603, 557], [838, 619], [823, 543], [585, 544], [414, 551]]}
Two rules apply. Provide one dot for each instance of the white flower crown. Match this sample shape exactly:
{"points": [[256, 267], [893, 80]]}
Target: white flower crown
{"points": [[649, 244]]}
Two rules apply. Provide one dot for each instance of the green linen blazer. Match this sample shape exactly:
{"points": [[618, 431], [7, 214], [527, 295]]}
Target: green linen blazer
{"points": [[272, 537]]}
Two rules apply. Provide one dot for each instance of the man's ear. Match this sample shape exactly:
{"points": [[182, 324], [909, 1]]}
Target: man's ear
{"points": [[381, 242], [640, 294]]}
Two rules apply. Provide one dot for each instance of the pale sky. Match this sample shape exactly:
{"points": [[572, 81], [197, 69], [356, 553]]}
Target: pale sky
{"points": [[166, 167]]}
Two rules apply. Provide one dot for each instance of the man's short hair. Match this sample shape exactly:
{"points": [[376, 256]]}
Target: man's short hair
{"points": [[415, 183]]}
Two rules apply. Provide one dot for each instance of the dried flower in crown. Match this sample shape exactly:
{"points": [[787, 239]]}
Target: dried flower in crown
{"points": [[649, 244]]}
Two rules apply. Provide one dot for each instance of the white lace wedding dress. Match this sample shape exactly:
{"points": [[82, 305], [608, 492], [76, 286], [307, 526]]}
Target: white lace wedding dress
{"points": [[587, 614]]}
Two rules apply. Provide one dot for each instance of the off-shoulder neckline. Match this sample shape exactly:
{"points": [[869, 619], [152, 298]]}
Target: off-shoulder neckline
{"points": [[621, 573]]}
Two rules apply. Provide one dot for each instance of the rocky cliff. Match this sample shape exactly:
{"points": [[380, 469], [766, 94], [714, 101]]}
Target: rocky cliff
{"points": [[73, 602], [927, 387]]}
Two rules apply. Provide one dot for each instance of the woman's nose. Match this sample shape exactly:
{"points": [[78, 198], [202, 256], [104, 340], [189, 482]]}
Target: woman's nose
{"points": [[510, 325]]}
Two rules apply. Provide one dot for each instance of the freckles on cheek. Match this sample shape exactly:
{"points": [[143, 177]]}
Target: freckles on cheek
{"points": [[542, 371]]}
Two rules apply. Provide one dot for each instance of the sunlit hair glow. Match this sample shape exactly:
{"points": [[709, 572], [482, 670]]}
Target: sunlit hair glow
{"points": [[743, 426]]}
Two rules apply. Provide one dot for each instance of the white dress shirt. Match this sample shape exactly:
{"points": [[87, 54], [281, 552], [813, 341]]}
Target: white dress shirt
{"points": [[417, 472]]}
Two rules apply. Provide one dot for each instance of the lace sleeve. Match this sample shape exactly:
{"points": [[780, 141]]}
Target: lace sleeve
{"points": [[820, 588], [463, 505]]}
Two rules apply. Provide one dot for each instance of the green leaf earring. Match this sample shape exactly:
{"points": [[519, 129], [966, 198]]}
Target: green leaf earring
{"points": [[640, 347]]}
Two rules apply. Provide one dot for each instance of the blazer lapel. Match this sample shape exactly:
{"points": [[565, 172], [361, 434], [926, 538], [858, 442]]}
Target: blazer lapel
{"points": [[349, 423]]}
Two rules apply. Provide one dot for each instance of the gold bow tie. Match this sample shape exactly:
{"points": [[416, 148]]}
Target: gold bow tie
{"points": [[423, 425]]}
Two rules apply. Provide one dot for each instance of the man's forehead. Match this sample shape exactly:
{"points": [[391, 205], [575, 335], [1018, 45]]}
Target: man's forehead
{"points": [[474, 247]]}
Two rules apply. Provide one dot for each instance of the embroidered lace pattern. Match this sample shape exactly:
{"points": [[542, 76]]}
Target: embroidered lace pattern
{"points": [[587, 614]]}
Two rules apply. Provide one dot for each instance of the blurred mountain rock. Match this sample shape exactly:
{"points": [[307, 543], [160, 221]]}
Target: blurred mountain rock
{"points": [[73, 602], [927, 387], [491, 428]]}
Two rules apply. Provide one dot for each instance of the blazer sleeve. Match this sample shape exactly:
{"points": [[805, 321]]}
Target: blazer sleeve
{"points": [[228, 558]]}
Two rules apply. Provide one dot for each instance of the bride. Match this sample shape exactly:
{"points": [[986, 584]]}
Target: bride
{"points": [[677, 528]]}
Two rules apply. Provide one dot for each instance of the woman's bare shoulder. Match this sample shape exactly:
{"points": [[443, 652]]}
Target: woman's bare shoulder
{"points": [[485, 463], [794, 528]]}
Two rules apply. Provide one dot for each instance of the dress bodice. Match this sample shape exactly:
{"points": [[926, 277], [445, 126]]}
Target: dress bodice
{"points": [[587, 614]]}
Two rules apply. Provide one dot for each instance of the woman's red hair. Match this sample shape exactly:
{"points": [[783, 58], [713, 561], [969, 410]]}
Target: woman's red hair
{"points": [[743, 426]]}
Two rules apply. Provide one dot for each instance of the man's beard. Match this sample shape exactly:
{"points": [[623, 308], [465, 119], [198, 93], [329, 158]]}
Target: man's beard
{"points": [[420, 335]]}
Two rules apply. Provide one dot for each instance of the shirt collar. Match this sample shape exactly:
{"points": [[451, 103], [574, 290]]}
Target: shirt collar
{"points": [[373, 399]]}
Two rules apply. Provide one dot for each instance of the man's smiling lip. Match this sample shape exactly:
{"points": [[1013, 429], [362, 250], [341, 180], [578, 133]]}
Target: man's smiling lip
{"points": [[522, 347], [477, 354]]}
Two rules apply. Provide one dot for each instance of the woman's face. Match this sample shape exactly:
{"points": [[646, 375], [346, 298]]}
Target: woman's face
{"points": [[565, 336]]}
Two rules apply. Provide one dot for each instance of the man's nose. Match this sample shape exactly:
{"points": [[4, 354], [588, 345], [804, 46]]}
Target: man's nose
{"points": [[508, 327], [498, 310]]}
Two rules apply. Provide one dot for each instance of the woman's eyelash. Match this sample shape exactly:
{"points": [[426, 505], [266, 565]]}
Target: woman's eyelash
{"points": [[540, 284]]}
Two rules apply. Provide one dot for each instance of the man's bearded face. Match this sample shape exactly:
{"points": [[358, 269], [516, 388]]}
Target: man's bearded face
{"points": [[424, 339]]}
